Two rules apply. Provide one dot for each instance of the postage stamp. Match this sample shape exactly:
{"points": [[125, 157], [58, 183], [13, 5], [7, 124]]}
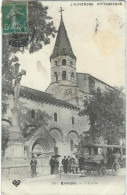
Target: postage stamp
{"points": [[14, 17]]}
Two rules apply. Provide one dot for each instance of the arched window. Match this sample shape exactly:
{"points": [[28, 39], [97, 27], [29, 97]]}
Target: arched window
{"points": [[64, 62], [71, 63], [72, 76], [55, 77], [56, 134], [56, 62], [73, 120], [32, 113], [68, 94], [64, 75], [55, 117], [71, 144]]}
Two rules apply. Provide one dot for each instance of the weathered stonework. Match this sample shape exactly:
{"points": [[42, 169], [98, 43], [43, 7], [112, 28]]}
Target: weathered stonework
{"points": [[62, 101]]}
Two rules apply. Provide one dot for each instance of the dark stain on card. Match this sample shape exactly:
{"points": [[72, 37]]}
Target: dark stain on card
{"points": [[97, 26], [115, 21], [40, 67]]}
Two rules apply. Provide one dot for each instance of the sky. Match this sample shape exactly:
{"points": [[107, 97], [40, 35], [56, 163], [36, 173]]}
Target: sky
{"points": [[100, 53]]}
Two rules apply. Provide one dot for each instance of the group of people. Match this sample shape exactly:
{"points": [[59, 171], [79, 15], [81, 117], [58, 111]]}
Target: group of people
{"points": [[70, 164]]}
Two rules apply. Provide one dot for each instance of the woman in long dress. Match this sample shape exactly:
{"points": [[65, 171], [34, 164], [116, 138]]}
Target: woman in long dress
{"points": [[56, 168], [72, 165], [69, 164], [76, 164]]}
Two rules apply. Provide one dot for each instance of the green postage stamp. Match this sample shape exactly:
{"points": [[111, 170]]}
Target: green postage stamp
{"points": [[14, 17]]}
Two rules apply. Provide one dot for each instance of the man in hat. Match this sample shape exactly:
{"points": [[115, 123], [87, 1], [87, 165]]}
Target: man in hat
{"points": [[33, 164], [81, 163], [69, 164], [52, 164], [65, 164]]}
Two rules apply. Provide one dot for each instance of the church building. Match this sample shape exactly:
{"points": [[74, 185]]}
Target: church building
{"points": [[60, 103]]}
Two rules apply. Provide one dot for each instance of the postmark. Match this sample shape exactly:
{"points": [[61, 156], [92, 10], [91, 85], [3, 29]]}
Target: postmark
{"points": [[21, 39], [14, 17]]}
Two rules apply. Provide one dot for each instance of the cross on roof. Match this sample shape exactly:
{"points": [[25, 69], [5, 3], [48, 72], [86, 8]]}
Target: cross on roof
{"points": [[61, 10]]}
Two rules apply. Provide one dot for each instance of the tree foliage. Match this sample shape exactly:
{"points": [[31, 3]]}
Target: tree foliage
{"points": [[44, 29], [106, 112], [43, 25], [29, 124]]}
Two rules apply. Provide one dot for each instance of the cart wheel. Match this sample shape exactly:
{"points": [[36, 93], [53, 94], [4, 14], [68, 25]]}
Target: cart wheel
{"points": [[102, 170], [115, 168]]}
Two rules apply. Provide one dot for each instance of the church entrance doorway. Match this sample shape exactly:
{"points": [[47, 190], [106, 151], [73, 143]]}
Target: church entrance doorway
{"points": [[40, 150]]}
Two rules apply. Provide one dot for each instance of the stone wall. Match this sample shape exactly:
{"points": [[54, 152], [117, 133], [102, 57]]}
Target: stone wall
{"points": [[56, 66], [83, 82], [63, 126]]}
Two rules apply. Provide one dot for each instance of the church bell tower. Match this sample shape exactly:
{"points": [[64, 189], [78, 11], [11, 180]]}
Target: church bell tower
{"points": [[63, 68], [63, 60]]}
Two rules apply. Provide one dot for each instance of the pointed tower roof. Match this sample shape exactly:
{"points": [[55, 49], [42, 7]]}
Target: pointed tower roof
{"points": [[62, 44]]}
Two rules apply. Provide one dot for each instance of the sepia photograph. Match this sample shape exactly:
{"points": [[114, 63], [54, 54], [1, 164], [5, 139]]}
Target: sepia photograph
{"points": [[63, 123]]}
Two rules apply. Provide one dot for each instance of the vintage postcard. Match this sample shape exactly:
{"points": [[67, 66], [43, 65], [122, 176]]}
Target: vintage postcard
{"points": [[63, 98]]}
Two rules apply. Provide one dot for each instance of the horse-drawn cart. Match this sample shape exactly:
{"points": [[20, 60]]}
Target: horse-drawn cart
{"points": [[102, 157]]}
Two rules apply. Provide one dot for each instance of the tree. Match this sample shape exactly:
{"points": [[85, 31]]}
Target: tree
{"points": [[106, 112], [27, 124], [44, 29]]}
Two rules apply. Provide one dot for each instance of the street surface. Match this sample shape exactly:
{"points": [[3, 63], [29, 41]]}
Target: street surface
{"points": [[69, 184]]}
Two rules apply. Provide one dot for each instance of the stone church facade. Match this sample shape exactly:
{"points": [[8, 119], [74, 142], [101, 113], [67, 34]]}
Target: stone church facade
{"points": [[62, 101]]}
